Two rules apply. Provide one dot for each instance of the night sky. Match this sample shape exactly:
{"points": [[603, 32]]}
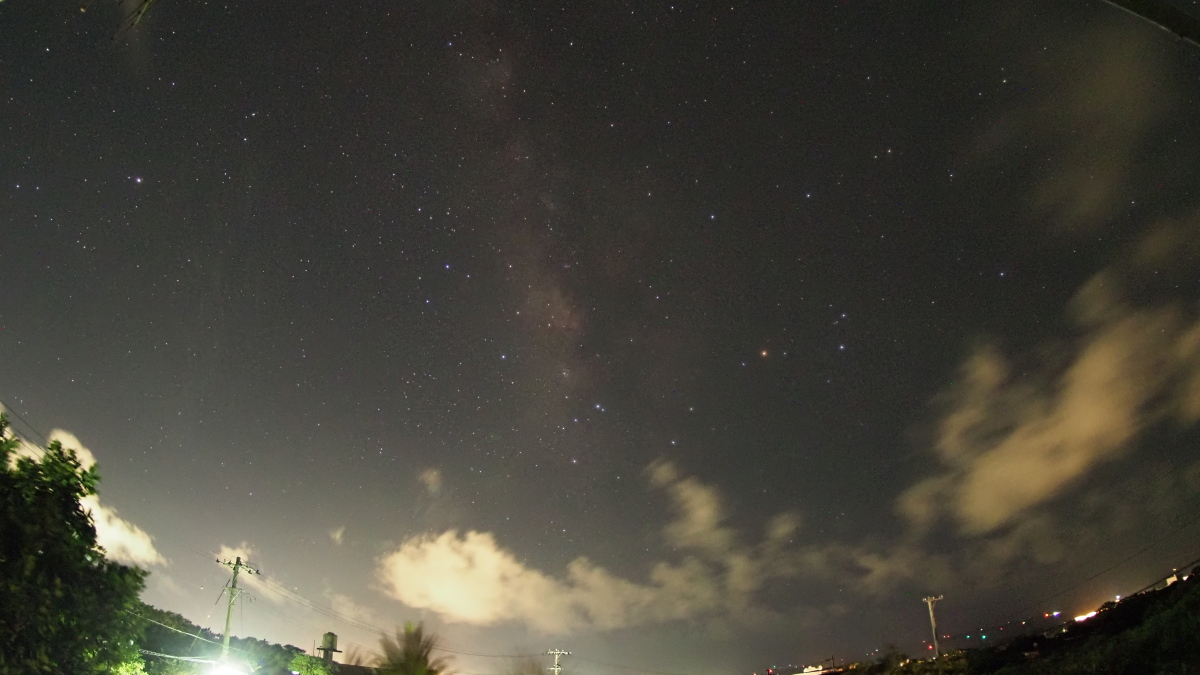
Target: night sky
{"points": [[687, 337]]}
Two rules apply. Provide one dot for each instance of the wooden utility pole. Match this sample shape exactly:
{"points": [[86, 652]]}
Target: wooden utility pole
{"points": [[237, 566], [933, 624]]}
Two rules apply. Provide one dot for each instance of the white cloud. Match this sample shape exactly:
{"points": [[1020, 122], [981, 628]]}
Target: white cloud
{"points": [[698, 524], [122, 541], [248, 579], [347, 606], [470, 578], [69, 440], [244, 551], [1008, 444], [338, 535]]}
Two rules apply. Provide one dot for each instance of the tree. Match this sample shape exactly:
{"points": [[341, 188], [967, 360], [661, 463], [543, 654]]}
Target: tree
{"points": [[134, 666], [171, 633], [411, 653], [64, 607], [306, 664]]}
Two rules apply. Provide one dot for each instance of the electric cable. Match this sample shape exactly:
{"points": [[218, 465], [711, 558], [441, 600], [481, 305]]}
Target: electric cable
{"points": [[1185, 568], [9, 408], [184, 632], [271, 584], [1154, 542], [1034, 607], [20, 438], [628, 668], [190, 659]]}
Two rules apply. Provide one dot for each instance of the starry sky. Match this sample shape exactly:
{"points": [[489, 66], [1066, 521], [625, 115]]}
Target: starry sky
{"points": [[689, 337]]}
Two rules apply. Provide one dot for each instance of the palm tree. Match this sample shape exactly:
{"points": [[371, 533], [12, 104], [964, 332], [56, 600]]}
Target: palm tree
{"points": [[411, 653]]}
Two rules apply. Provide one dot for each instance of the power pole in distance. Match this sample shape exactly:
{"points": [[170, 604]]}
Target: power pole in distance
{"points": [[236, 566], [933, 624], [557, 654]]}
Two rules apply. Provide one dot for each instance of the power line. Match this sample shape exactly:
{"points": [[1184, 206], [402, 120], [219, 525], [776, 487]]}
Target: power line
{"points": [[1184, 568], [236, 566], [9, 408], [40, 453], [490, 656], [1035, 606], [329, 612], [1154, 542], [207, 555], [190, 659], [37, 450], [289, 594], [629, 668], [184, 632], [277, 587], [268, 583], [309, 627], [20, 438]]}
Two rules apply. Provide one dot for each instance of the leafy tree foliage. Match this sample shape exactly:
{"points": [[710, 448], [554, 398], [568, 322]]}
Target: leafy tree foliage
{"points": [[306, 664], [170, 633], [134, 666], [264, 656], [63, 605], [411, 653]]}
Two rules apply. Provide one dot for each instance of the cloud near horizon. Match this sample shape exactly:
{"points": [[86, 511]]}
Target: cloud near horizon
{"points": [[122, 541], [1010, 443], [1018, 432], [251, 582], [469, 578]]}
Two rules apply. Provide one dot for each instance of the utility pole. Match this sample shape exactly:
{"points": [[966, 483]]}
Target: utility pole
{"points": [[933, 624], [557, 654], [236, 566]]}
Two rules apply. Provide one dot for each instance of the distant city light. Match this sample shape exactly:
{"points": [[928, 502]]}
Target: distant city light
{"points": [[1085, 617]]}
